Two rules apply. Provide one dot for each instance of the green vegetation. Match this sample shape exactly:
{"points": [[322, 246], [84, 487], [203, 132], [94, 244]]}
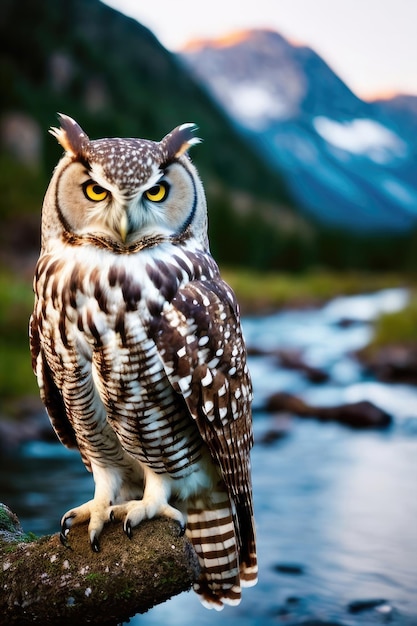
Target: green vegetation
{"points": [[95, 578], [7, 522], [21, 189], [16, 376], [29, 537], [396, 328], [258, 292]]}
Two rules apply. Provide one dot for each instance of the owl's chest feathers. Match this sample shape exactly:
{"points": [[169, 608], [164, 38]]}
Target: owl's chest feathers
{"points": [[95, 294], [94, 297], [99, 309]]}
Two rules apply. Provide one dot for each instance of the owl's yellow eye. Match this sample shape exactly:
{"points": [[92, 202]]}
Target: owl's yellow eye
{"points": [[94, 192], [157, 193]]}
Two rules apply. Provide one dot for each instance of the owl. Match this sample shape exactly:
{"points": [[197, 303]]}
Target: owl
{"points": [[138, 351]]}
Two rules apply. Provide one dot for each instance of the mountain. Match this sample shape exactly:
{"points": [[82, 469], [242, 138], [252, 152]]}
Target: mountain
{"points": [[400, 112], [350, 164]]}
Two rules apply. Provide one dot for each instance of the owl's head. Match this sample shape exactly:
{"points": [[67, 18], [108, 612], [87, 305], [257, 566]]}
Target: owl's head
{"points": [[125, 191]]}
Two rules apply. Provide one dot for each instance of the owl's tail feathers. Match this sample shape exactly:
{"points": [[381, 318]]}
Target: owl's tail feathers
{"points": [[212, 533], [247, 557], [249, 572]]}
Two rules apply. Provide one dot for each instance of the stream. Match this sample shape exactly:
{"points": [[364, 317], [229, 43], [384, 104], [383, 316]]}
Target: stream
{"points": [[336, 508]]}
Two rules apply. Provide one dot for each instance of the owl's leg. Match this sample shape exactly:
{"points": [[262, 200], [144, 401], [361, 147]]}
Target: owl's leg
{"points": [[111, 483], [153, 504]]}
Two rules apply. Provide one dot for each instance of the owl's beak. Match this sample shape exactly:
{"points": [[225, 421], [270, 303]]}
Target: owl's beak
{"points": [[124, 227]]}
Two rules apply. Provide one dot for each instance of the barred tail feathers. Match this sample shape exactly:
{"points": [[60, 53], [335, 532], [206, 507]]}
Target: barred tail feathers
{"points": [[212, 533], [249, 571]]}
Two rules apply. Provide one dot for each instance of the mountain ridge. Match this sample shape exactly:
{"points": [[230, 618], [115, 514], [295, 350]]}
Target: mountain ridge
{"points": [[349, 163]]}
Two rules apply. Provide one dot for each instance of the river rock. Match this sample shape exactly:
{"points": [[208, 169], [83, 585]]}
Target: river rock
{"points": [[292, 360], [363, 414], [271, 436], [392, 363], [294, 569], [279, 429], [31, 426], [358, 606]]}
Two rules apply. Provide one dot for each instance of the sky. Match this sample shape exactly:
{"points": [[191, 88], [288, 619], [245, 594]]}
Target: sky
{"points": [[370, 44]]}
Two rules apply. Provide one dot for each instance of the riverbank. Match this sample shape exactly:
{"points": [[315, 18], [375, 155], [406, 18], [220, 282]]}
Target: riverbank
{"points": [[263, 293], [391, 355]]}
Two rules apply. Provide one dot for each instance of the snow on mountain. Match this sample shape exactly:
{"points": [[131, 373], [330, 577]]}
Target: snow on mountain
{"points": [[350, 164], [362, 137], [254, 105]]}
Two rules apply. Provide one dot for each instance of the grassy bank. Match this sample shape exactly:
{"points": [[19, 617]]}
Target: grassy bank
{"points": [[16, 303], [398, 328], [263, 292]]}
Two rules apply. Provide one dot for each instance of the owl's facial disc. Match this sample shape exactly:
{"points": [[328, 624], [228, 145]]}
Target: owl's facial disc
{"points": [[93, 204]]}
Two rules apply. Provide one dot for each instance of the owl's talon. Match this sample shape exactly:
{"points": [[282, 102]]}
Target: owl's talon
{"points": [[64, 540], [128, 529], [182, 527], [112, 516], [66, 525], [95, 546]]}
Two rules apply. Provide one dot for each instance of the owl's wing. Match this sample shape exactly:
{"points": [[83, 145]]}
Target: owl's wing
{"points": [[49, 392], [200, 342]]}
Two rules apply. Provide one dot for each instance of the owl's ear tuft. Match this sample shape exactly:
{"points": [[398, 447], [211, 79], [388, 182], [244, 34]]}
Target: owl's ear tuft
{"points": [[178, 141], [71, 136]]}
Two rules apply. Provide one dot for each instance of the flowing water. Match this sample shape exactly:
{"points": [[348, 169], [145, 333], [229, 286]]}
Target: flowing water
{"points": [[336, 509]]}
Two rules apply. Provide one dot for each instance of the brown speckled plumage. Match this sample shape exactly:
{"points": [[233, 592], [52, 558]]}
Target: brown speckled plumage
{"points": [[138, 350]]}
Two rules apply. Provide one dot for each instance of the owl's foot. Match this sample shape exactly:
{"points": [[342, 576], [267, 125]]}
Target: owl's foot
{"points": [[134, 512], [93, 511], [153, 504], [113, 484]]}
